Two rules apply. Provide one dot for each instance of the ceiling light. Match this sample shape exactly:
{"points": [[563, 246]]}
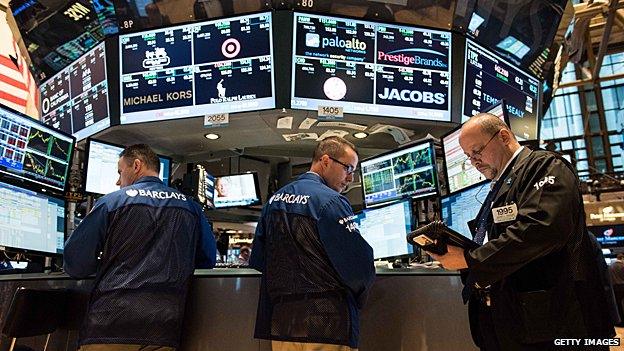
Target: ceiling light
{"points": [[212, 136], [360, 135]]}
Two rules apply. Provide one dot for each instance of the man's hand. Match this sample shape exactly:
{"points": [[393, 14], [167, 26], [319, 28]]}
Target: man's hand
{"points": [[453, 259]]}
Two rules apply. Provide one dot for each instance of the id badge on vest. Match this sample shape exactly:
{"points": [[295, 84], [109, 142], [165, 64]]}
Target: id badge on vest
{"points": [[505, 213]]}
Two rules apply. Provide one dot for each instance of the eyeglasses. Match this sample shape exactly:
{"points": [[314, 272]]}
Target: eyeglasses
{"points": [[348, 168], [477, 153]]}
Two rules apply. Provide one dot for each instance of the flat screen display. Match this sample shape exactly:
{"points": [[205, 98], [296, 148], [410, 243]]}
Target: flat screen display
{"points": [[75, 100], [222, 66], [463, 206], [102, 167], [409, 172], [609, 235], [370, 68], [236, 190], [385, 229], [34, 152], [31, 221], [488, 79], [460, 172]]}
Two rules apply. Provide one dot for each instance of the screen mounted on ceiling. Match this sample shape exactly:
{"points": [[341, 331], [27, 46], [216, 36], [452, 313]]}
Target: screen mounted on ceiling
{"points": [[211, 67], [75, 100], [370, 68], [488, 79]]}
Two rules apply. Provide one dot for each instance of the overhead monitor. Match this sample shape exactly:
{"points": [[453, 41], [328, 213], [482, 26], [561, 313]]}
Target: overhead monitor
{"points": [[463, 206], [75, 100], [609, 235], [101, 167], [222, 66], [33, 152], [460, 173], [58, 32], [30, 221], [236, 190], [385, 229], [370, 68], [488, 79], [409, 172]]}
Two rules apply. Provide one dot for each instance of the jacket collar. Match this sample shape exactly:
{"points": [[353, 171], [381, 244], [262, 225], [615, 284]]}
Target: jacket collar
{"points": [[313, 176], [147, 179], [509, 178]]}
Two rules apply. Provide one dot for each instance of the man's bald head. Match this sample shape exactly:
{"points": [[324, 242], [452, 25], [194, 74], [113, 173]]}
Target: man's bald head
{"points": [[488, 142], [488, 123]]}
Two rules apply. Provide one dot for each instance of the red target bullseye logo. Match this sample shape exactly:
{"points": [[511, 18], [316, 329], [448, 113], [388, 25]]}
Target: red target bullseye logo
{"points": [[230, 48]]}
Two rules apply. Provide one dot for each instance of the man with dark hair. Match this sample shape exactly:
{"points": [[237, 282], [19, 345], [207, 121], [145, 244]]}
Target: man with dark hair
{"points": [[536, 277], [316, 267], [143, 243]]}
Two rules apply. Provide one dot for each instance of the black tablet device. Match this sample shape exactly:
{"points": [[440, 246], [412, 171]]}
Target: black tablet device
{"points": [[435, 236]]}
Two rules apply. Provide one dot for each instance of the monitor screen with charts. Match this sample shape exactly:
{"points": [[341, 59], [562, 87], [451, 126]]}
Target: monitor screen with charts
{"points": [[236, 190], [463, 206], [404, 173], [385, 229], [30, 221], [33, 152], [102, 167]]}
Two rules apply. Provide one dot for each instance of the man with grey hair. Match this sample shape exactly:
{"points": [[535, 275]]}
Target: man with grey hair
{"points": [[535, 279], [316, 267]]}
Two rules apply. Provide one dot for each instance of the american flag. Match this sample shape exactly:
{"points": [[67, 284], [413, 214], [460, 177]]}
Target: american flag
{"points": [[18, 89]]}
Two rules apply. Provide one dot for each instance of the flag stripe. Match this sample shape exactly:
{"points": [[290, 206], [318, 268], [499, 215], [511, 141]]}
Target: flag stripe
{"points": [[11, 98], [16, 107], [10, 81]]}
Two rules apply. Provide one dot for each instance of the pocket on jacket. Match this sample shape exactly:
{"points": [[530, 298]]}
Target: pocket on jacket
{"points": [[536, 316]]}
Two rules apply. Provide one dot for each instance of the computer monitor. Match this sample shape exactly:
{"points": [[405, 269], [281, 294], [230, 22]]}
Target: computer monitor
{"points": [[609, 235], [409, 172], [460, 173], [33, 153], [463, 206], [236, 190], [385, 229], [31, 222], [101, 167], [75, 100], [371, 68]]}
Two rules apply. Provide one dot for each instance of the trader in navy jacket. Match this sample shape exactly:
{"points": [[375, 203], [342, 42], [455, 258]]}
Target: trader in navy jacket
{"points": [[317, 268], [143, 243]]}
